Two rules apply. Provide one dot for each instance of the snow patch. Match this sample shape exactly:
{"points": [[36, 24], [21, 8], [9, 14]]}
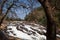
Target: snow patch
{"points": [[26, 32]]}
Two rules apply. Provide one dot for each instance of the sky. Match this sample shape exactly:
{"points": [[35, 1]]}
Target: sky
{"points": [[20, 11], [23, 12]]}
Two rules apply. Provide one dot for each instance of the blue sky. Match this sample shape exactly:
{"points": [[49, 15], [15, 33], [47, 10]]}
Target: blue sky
{"points": [[20, 11]]}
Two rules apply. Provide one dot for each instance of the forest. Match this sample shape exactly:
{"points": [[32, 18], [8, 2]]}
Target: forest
{"points": [[21, 13]]}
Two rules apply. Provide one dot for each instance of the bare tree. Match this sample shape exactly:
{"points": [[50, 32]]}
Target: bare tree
{"points": [[51, 25], [1, 12], [2, 35], [5, 14]]}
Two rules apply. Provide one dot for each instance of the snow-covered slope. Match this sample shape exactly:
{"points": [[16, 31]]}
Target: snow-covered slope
{"points": [[26, 31]]}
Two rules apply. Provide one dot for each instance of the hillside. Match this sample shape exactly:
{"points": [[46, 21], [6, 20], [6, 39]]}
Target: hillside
{"points": [[23, 30], [37, 16]]}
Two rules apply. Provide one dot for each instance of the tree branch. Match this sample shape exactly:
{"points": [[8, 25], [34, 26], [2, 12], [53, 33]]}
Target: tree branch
{"points": [[1, 6], [6, 14]]}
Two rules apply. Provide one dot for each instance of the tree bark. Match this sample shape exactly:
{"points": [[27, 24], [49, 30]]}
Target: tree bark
{"points": [[51, 25]]}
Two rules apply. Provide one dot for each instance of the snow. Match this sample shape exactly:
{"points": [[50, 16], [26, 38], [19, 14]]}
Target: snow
{"points": [[58, 35], [18, 33], [28, 34], [28, 27], [44, 31]]}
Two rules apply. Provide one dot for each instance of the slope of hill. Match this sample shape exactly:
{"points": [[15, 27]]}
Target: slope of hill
{"points": [[23, 30], [26, 31], [37, 16]]}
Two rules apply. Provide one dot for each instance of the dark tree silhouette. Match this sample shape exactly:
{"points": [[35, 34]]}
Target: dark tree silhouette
{"points": [[51, 25]]}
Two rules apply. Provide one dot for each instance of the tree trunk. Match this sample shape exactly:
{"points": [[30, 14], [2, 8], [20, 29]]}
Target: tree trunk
{"points": [[0, 10], [51, 26], [3, 36]]}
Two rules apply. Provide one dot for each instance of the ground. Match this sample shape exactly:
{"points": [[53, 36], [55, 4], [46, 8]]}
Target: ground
{"points": [[3, 27]]}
